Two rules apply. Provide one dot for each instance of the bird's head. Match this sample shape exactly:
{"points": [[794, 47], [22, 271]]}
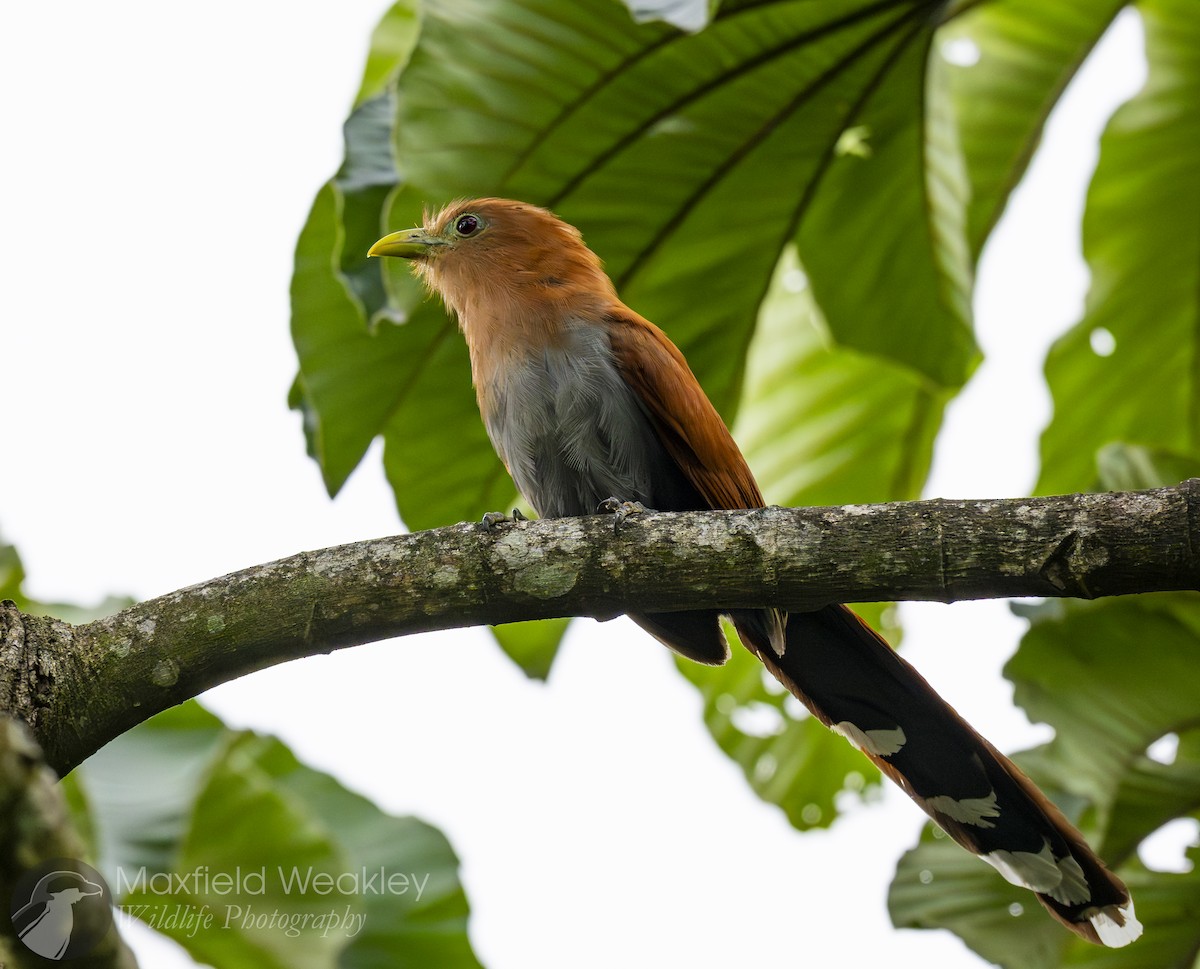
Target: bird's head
{"points": [[496, 259]]}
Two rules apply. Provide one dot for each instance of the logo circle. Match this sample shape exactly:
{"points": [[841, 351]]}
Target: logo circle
{"points": [[61, 908]]}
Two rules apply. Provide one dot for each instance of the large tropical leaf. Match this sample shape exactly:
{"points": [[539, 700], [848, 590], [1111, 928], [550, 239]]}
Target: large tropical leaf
{"points": [[292, 869], [938, 885], [352, 373], [739, 129], [1127, 372], [1089, 645], [825, 424], [688, 159], [891, 271], [732, 130], [1004, 66], [788, 757]]}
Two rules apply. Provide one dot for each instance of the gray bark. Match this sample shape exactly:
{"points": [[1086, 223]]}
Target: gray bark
{"points": [[80, 686]]}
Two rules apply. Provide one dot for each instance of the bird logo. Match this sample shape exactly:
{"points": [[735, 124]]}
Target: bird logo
{"points": [[61, 909]]}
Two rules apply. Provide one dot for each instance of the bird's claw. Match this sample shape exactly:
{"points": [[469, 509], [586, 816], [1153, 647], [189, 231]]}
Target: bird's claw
{"points": [[494, 519], [620, 510]]}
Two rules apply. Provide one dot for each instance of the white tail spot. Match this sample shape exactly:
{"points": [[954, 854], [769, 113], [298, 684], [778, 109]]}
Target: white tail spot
{"points": [[1074, 883], [881, 743], [1060, 878], [1024, 869], [968, 810]]}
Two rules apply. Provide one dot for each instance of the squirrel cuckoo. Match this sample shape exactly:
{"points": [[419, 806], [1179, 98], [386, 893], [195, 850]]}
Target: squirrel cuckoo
{"points": [[586, 401]]}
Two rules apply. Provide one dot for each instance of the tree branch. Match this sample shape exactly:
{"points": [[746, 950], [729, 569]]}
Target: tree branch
{"points": [[80, 686], [35, 827]]}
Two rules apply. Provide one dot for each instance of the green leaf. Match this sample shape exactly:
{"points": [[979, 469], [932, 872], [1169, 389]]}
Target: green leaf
{"points": [[141, 787], [532, 645], [193, 819], [405, 375], [1099, 648], [415, 911], [547, 112], [938, 885], [1167, 904], [580, 107], [437, 455], [1027, 52], [1131, 467], [904, 236], [12, 574], [1128, 371], [392, 42], [245, 828], [343, 390], [824, 424], [1150, 795], [789, 758], [347, 384]]}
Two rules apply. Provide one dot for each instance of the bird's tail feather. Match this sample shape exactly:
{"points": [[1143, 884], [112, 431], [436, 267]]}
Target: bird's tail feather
{"points": [[695, 634], [852, 681]]}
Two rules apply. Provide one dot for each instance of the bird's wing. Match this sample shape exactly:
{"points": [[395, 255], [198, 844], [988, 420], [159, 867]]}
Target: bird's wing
{"points": [[683, 417]]}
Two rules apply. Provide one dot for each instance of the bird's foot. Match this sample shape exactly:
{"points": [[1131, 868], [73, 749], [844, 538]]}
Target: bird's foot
{"points": [[620, 510], [492, 520]]}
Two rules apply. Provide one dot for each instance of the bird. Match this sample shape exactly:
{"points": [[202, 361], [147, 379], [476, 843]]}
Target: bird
{"points": [[591, 407]]}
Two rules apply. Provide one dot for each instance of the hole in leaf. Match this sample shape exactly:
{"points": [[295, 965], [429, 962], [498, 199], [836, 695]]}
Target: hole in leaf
{"points": [[794, 280], [772, 685], [794, 708], [961, 52], [1102, 341], [765, 767], [1166, 849], [854, 141], [757, 720], [1164, 749]]}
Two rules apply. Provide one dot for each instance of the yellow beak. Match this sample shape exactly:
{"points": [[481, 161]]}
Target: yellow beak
{"points": [[406, 244]]}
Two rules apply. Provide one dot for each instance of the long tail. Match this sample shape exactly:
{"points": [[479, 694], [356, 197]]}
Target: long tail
{"points": [[854, 683]]}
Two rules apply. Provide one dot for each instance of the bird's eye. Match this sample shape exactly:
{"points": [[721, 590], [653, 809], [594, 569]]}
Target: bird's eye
{"points": [[467, 225]]}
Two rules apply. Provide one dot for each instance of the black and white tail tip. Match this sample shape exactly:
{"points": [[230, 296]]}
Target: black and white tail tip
{"points": [[854, 683], [1064, 889]]}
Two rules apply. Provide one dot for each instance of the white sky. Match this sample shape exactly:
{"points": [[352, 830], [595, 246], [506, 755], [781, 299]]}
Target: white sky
{"points": [[159, 161]]}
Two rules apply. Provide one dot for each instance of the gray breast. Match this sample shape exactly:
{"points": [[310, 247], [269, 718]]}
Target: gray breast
{"points": [[572, 432]]}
